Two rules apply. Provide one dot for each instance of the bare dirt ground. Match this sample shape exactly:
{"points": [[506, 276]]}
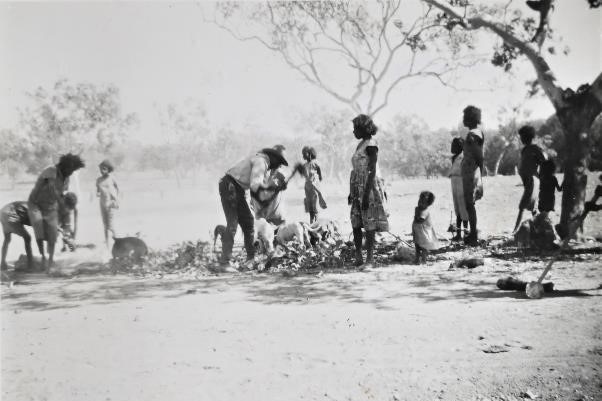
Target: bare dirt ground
{"points": [[398, 332]]}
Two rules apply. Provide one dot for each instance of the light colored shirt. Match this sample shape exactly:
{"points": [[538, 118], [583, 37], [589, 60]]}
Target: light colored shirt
{"points": [[251, 172]]}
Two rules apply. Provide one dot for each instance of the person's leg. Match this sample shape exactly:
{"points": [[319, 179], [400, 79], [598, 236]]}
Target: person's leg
{"points": [[40, 244], [458, 236], [312, 217], [105, 218], [357, 240], [418, 254], [247, 223], [370, 246], [227, 194], [28, 252], [51, 225], [519, 218], [472, 222], [50, 245], [3, 264], [37, 223], [22, 232], [526, 201]]}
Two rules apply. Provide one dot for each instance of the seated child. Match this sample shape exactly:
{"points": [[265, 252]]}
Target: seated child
{"points": [[425, 238], [68, 221], [14, 217]]}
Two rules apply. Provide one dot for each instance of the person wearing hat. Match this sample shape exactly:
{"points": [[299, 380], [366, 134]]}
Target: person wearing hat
{"points": [[107, 191], [250, 174], [46, 199], [272, 210]]}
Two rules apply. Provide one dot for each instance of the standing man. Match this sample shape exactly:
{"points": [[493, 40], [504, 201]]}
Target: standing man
{"points": [[252, 174], [46, 198]]}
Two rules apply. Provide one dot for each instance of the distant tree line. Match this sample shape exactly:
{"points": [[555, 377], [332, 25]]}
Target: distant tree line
{"points": [[88, 119]]}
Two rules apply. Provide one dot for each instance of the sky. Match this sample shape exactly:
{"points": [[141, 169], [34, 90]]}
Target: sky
{"points": [[163, 52]]}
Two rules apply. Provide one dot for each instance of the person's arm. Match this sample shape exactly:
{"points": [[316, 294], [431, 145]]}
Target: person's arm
{"points": [[420, 216], [372, 152], [319, 171], [75, 222], [116, 189]]}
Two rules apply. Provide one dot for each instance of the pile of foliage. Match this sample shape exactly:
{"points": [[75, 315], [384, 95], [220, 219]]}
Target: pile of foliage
{"points": [[200, 258]]}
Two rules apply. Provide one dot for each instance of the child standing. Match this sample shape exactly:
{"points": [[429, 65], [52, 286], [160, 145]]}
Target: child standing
{"points": [[457, 187], [313, 177], [548, 184], [68, 221], [425, 238], [108, 192], [531, 158]]}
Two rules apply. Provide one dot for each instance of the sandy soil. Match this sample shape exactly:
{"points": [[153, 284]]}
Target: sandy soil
{"points": [[398, 332]]}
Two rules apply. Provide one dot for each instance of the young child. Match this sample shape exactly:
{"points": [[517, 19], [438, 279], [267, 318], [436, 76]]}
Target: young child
{"points": [[108, 192], [457, 187], [425, 238], [548, 184], [313, 176], [14, 217], [68, 221], [531, 158]]}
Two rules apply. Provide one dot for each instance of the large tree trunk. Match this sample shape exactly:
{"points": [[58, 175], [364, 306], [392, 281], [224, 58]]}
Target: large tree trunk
{"points": [[576, 120]]}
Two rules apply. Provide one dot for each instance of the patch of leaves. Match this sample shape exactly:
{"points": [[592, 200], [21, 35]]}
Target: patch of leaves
{"points": [[186, 258]]}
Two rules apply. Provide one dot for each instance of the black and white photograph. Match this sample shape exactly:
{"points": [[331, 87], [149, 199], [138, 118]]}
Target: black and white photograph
{"points": [[392, 200]]}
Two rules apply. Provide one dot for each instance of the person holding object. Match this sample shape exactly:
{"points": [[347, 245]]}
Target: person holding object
{"points": [[46, 199], [250, 174]]}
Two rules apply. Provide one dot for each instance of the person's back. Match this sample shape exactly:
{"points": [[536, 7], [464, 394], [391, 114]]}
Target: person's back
{"points": [[15, 213], [531, 158], [548, 184], [473, 150]]}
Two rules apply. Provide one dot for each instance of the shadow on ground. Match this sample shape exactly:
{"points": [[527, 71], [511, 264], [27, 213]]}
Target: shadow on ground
{"points": [[382, 288]]}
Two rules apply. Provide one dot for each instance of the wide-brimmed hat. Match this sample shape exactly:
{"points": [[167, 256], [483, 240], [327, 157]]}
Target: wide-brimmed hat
{"points": [[276, 153]]}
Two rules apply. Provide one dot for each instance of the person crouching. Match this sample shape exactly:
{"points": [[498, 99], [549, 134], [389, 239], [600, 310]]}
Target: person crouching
{"points": [[248, 174]]}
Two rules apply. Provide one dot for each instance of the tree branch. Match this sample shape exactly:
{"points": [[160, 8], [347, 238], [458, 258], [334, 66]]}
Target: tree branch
{"points": [[544, 73]]}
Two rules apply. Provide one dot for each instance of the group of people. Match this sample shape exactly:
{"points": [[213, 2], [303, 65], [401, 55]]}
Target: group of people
{"points": [[51, 209], [260, 174]]}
